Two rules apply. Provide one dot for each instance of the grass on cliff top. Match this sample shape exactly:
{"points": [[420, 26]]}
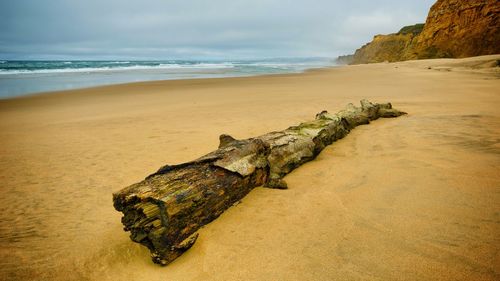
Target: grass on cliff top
{"points": [[415, 29]]}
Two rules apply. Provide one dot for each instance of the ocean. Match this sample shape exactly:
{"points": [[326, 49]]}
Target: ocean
{"points": [[18, 78]]}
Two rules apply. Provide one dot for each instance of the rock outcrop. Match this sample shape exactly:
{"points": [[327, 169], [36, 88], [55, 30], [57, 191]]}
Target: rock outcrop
{"points": [[453, 29]]}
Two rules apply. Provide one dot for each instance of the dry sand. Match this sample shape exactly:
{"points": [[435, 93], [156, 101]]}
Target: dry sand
{"points": [[412, 198]]}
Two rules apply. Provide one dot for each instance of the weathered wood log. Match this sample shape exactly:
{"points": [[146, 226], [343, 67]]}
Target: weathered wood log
{"points": [[164, 211]]}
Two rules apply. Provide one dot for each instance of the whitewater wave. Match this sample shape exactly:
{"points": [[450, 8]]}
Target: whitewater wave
{"points": [[165, 66], [288, 64], [198, 65]]}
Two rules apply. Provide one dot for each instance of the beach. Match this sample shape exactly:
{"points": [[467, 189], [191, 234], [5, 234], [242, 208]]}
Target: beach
{"points": [[411, 198]]}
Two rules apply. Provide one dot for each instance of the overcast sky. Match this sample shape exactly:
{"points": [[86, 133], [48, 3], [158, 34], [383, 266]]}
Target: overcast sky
{"points": [[183, 29]]}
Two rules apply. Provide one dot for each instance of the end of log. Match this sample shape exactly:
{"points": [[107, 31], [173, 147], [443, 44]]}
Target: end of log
{"points": [[390, 113], [386, 111], [166, 257], [276, 184]]}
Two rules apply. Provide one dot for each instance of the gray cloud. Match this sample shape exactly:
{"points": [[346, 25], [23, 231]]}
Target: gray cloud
{"points": [[156, 29]]}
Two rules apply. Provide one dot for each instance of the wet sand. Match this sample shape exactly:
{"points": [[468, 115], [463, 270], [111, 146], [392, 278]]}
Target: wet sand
{"points": [[412, 198]]}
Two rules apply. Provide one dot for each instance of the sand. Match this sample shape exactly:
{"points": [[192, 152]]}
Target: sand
{"points": [[412, 198]]}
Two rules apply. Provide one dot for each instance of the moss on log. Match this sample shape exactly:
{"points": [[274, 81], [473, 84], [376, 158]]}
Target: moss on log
{"points": [[164, 211]]}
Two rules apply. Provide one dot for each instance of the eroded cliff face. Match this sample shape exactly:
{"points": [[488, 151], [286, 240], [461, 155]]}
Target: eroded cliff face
{"points": [[454, 29], [389, 48], [460, 28]]}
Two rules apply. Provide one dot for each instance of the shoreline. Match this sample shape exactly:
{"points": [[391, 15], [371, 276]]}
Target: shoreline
{"points": [[32, 77], [412, 198], [137, 83], [443, 64]]}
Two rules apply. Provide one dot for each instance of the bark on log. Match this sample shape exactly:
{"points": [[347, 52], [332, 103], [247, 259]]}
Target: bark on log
{"points": [[164, 211]]}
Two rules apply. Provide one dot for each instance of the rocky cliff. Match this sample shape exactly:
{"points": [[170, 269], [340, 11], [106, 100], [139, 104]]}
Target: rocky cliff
{"points": [[454, 28], [392, 47], [460, 28]]}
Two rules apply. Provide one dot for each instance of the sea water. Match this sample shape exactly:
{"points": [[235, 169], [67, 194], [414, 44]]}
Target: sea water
{"points": [[19, 78]]}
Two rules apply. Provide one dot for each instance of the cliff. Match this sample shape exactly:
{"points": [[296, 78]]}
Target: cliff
{"points": [[347, 59], [460, 28], [454, 29], [392, 47]]}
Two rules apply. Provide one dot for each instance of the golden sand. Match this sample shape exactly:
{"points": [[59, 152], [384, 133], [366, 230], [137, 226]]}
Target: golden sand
{"points": [[412, 198]]}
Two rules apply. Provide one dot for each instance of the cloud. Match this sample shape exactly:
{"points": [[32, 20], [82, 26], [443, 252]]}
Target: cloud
{"points": [[156, 29]]}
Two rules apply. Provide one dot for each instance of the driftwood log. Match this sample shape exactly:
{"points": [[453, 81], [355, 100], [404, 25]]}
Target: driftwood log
{"points": [[164, 211]]}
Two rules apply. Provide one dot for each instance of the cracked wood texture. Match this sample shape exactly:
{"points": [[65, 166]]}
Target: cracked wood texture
{"points": [[164, 211]]}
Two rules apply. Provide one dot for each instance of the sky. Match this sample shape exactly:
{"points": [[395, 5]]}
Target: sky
{"points": [[197, 29]]}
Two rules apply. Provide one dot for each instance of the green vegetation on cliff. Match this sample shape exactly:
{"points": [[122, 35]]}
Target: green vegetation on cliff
{"points": [[414, 29]]}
